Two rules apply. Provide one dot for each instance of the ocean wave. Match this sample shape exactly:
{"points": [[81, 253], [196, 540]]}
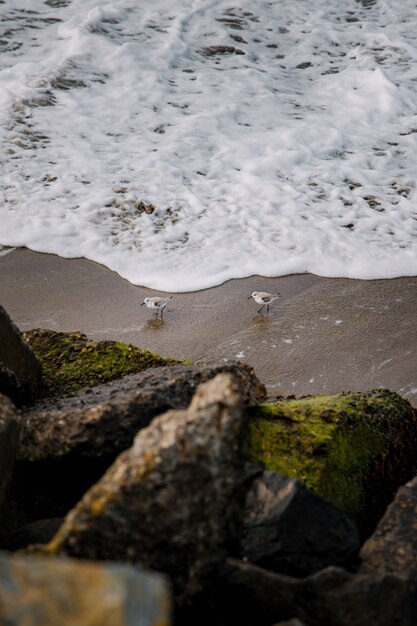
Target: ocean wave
{"points": [[182, 143]]}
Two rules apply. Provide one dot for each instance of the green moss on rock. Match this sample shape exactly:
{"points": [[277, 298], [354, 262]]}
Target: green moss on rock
{"points": [[71, 362], [354, 449]]}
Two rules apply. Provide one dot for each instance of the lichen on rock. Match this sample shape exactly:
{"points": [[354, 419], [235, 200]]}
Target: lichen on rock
{"points": [[71, 362], [351, 448]]}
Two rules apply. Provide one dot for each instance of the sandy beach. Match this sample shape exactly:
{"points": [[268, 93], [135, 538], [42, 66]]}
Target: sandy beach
{"points": [[322, 335]]}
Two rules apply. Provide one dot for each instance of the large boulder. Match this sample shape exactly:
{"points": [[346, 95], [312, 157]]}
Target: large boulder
{"points": [[9, 437], [20, 370], [67, 445], [393, 546], [105, 419], [66, 592], [353, 449], [289, 529], [172, 501]]}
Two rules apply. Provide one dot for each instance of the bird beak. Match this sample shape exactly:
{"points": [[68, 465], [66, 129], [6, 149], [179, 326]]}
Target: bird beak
{"points": [[249, 297], [142, 304]]}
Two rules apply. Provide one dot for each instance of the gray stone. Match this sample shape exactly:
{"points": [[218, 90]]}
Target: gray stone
{"points": [[289, 529], [172, 501], [256, 596], [380, 600], [9, 435], [20, 370], [104, 420], [65, 592], [332, 597], [393, 546]]}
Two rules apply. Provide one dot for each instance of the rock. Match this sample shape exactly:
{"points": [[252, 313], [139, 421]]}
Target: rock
{"points": [[104, 420], [72, 362], [380, 600], [67, 445], [172, 501], [352, 449], [393, 546], [332, 597], [289, 529], [257, 597], [9, 436], [20, 371], [67, 592]]}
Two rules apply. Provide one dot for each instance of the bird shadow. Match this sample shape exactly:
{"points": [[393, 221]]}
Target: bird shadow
{"points": [[155, 324], [261, 320]]}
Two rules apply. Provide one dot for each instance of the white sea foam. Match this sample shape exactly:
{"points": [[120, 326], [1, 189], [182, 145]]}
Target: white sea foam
{"points": [[270, 137]]}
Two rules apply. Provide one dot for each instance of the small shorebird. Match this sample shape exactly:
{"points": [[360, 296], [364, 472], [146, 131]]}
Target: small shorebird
{"points": [[261, 297], [156, 304]]}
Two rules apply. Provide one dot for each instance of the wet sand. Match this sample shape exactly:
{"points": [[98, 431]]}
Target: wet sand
{"points": [[322, 336]]}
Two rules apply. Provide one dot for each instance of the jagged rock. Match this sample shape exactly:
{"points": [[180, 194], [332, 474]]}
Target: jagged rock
{"points": [[352, 449], [20, 371], [289, 529], [393, 546], [332, 597], [67, 592], [9, 435], [172, 501], [104, 420], [380, 600], [67, 445], [254, 596]]}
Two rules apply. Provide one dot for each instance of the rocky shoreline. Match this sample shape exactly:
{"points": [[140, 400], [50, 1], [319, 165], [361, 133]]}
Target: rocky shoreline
{"points": [[137, 491]]}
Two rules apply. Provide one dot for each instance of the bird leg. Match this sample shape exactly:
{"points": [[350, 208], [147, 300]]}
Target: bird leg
{"points": [[259, 310]]}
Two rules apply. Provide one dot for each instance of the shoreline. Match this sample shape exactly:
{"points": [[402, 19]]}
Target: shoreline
{"points": [[323, 335]]}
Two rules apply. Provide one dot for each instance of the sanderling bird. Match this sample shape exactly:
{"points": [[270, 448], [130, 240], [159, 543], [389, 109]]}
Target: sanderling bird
{"points": [[156, 304], [261, 297]]}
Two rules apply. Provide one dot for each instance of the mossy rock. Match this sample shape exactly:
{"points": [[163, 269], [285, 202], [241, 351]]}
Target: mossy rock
{"points": [[353, 449], [71, 362]]}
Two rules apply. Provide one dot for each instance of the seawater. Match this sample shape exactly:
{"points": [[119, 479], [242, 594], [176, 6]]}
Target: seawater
{"points": [[182, 143]]}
